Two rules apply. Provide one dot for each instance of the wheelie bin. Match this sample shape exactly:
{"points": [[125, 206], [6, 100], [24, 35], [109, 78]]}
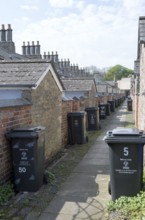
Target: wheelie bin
{"points": [[92, 118], [126, 161], [28, 158], [108, 109], [112, 105], [77, 127], [102, 111], [129, 104]]}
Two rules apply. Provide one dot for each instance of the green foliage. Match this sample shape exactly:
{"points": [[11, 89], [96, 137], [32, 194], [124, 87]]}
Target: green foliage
{"points": [[51, 177], [6, 192], [117, 72], [131, 207]]}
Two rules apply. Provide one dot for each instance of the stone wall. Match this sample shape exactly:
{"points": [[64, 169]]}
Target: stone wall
{"points": [[140, 102], [92, 97], [10, 118], [46, 111]]}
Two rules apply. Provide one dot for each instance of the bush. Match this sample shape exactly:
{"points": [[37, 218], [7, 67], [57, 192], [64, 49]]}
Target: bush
{"points": [[132, 208]]}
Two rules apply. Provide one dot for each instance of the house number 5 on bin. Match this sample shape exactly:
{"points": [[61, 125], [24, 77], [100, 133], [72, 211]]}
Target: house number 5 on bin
{"points": [[22, 169], [126, 152]]}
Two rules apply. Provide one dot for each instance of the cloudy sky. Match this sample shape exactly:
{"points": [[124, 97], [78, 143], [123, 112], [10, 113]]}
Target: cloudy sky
{"points": [[88, 32]]}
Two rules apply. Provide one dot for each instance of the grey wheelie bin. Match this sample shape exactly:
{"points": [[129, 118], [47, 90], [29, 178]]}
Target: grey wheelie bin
{"points": [[27, 146], [92, 118], [126, 161], [77, 127]]}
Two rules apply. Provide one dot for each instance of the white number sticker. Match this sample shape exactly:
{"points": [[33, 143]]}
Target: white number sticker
{"points": [[22, 169], [126, 151]]}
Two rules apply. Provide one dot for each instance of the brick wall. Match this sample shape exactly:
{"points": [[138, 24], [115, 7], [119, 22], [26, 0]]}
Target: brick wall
{"points": [[10, 118]]}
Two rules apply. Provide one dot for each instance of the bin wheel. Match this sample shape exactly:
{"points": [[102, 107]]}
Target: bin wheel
{"points": [[45, 179], [109, 188]]}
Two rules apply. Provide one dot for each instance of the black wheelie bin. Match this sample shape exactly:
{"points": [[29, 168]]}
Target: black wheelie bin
{"points": [[112, 105], [108, 109], [92, 118], [102, 111], [126, 161], [129, 104], [77, 127], [27, 146]]}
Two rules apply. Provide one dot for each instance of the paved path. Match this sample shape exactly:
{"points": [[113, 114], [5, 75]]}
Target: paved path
{"points": [[85, 193]]}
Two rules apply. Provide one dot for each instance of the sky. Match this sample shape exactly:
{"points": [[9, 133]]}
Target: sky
{"points": [[102, 33]]}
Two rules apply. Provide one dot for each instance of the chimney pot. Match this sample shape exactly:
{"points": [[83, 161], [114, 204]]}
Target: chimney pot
{"points": [[3, 33], [23, 49], [37, 49], [32, 48], [28, 48], [9, 34], [44, 56]]}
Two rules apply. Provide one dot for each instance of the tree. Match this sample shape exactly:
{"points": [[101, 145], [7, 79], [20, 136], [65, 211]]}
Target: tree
{"points": [[117, 72]]}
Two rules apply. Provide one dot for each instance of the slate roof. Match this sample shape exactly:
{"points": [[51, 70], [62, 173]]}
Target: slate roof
{"points": [[14, 102], [111, 83], [22, 73], [77, 84], [101, 87], [8, 55]]}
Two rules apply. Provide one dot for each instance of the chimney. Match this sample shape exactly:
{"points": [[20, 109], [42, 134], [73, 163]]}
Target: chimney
{"points": [[48, 56], [32, 48], [68, 63], [44, 56], [61, 63], [9, 34], [76, 67], [23, 49], [28, 49], [65, 63], [3, 33], [37, 49], [52, 57], [56, 57]]}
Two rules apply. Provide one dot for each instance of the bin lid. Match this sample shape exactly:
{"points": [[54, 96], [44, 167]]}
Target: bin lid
{"points": [[81, 113], [102, 104], [126, 131], [125, 135], [91, 108], [25, 132]]}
